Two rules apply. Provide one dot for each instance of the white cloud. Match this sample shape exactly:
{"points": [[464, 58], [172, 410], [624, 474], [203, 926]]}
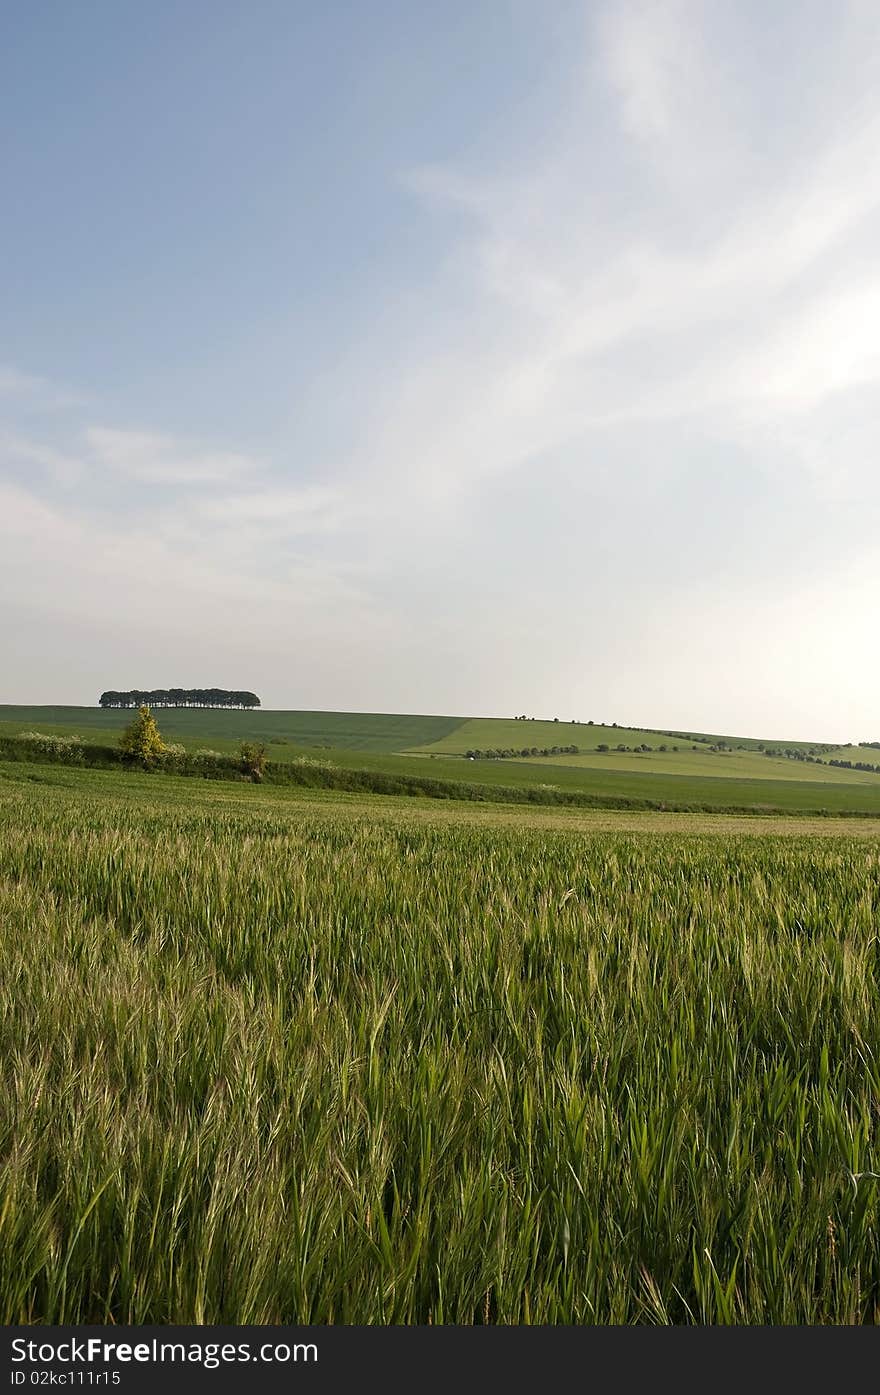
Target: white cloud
{"points": [[653, 58], [35, 391], [279, 508], [63, 468], [158, 459], [761, 308], [71, 564]]}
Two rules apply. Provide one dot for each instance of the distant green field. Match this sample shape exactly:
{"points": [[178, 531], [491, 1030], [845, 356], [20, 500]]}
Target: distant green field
{"points": [[747, 743], [500, 732], [368, 731], [495, 732], [745, 765], [119, 788], [721, 792], [870, 754], [433, 747]]}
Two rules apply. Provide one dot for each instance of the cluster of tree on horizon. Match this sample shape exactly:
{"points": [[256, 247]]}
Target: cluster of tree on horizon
{"points": [[179, 697]]}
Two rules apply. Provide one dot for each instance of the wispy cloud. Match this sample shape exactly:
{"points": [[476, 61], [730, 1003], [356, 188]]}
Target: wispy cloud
{"points": [[61, 467], [35, 391], [158, 459], [760, 300], [279, 508]]}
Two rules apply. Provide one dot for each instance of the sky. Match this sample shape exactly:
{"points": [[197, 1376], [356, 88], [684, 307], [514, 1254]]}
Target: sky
{"points": [[491, 357]]}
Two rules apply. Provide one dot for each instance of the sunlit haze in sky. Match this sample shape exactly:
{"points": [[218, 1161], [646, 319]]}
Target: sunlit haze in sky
{"points": [[470, 358]]}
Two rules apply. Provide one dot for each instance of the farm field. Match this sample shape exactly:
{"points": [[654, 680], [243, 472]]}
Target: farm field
{"points": [[832, 795], [374, 731], [383, 743], [276, 1055], [354, 730], [502, 732], [871, 754], [724, 765]]}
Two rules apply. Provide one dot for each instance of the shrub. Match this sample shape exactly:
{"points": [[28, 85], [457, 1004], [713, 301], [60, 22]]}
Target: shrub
{"points": [[253, 760], [66, 748]]}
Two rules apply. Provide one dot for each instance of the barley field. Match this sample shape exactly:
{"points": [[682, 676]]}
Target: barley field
{"points": [[275, 1056]]}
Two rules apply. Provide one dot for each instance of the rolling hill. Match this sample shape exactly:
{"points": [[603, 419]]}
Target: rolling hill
{"points": [[696, 769], [367, 731]]}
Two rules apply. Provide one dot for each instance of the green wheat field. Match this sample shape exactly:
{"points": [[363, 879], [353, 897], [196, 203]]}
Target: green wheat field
{"points": [[278, 1055]]}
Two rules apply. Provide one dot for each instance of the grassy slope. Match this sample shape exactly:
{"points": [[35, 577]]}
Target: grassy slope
{"points": [[118, 789], [370, 731], [719, 792], [743, 765], [495, 732], [499, 732], [871, 754], [512, 782], [377, 741]]}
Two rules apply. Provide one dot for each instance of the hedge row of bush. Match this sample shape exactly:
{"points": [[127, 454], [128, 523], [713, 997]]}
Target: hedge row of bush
{"points": [[70, 750], [508, 753]]}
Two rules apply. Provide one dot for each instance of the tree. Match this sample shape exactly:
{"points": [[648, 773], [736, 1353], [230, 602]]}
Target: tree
{"points": [[142, 739]]}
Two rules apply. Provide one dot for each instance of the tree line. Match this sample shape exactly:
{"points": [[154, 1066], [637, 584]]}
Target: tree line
{"points": [[497, 753], [178, 697]]}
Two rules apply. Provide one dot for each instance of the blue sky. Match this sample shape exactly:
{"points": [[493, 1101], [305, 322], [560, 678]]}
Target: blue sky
{"points": [[469, 358]]}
